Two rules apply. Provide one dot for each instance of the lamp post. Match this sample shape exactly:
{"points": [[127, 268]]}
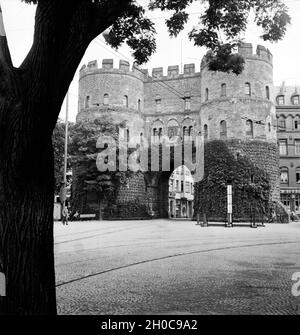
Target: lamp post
{"points": [[229, 204]]}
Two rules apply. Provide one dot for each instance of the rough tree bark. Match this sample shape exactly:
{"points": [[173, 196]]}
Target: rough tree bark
{"points": [[30, 101]]}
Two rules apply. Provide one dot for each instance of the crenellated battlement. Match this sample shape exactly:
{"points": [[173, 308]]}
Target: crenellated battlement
{"points": [[262, 53], [246, 50], [108, 66], [173, 71]]}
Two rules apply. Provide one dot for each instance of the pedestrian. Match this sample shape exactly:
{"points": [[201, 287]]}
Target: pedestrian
{"points": [[65, 215], [292, 215]]}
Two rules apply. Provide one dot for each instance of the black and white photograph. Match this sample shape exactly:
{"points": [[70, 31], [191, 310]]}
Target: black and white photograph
{"points": [[149, 161]]}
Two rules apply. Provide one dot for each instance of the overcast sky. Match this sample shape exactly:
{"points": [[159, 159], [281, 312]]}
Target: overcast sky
{"points": [[19, 24]]}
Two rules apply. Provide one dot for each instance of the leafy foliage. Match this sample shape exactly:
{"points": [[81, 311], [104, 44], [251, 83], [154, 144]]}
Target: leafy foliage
{"points": [[251, 185], [87, 177], [221, 24], [58, 140]]}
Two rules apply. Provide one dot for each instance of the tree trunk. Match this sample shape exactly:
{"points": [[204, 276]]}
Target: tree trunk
{"points": [[26, 235], [30, 101]]}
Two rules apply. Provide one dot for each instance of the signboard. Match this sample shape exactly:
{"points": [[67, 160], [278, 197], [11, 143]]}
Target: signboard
{"points": [[229, 199]]}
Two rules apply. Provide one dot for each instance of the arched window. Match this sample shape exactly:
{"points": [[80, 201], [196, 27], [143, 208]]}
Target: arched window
{"points": [[223, 90], [139, 105], [249, 128], [205, 131], [269, 126], [280, 100], [125, 101], [87, 102], [223, 129], [284, 175], [206, 94], [247, 89], [190, 130], [268, 92], [105, 99]]}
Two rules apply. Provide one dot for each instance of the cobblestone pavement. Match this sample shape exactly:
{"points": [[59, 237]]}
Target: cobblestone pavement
{"points": [[175, 267]]}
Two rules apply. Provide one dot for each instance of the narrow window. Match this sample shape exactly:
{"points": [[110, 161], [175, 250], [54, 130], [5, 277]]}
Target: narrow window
{"points": [[158, 105], [187, 103], [223, 90], [105, 99], [223, 129], [249, 128], [206, 94], [125, 101], [269, 126], [268, 92], [247, 89], [205, 128], [87, 102], [139, 105]]}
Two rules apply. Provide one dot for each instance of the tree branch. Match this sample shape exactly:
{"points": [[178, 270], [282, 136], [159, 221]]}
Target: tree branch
{"points": [[63, 31], [5, 58]]}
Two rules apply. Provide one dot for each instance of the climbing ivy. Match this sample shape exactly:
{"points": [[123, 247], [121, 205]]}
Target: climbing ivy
{"points": [[251, 185]]}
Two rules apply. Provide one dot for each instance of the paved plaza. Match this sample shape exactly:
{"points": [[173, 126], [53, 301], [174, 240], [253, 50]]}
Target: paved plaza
{"points": [[175, 267]]}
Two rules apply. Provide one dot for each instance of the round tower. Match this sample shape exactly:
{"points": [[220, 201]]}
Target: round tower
{"points": [[240, 106], [117, 92], [238, 110]]}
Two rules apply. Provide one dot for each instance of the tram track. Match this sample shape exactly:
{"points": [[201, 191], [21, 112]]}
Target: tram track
{"points": [[155, 259]]}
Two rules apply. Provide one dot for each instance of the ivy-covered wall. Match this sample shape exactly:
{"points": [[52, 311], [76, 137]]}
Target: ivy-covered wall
{"points": [[252, 168]]}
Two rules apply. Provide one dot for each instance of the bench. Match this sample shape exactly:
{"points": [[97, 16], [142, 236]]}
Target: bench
{"points": [[87, 216]]}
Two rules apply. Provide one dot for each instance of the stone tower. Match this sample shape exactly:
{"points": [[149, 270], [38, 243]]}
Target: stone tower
{"points": [[238, 109], [117, 92]]}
